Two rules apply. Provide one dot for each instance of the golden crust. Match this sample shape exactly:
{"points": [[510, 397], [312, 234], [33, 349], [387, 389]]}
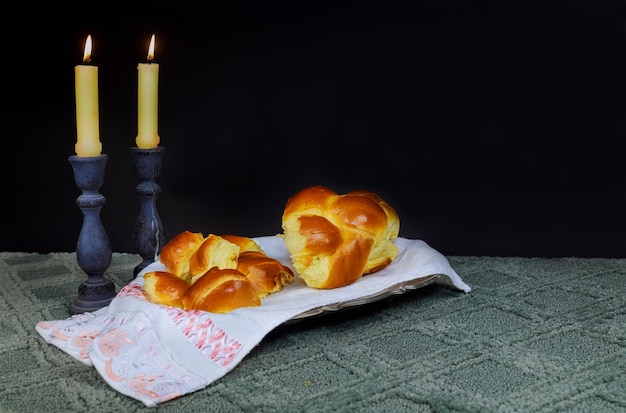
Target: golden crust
{"points": [[164, 288], [383, 251], [221, 291], [214, 251], [176, 253], [244, 243], [267, 274]]}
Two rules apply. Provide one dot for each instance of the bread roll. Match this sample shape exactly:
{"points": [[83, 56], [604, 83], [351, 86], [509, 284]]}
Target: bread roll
{"points": [[176, 253], [214, 251], [220, 291], [333, 239], [267, 274], [164, 288]]}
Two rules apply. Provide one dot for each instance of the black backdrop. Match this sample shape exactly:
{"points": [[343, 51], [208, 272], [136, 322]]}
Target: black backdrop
{"points": [[493, 127]]}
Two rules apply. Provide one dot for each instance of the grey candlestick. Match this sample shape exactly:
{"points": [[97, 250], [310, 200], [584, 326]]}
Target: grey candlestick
{"points": [[148, 234], [93, 249]]}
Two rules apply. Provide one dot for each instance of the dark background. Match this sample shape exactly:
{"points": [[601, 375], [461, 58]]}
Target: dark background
{"points": [[493, 127]]}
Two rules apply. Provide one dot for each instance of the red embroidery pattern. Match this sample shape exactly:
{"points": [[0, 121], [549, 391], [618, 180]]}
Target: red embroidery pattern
{"points": [[132, 290], [199, 329]]}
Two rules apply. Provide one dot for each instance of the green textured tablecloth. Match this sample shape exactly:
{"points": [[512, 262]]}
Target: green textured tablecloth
{"points": [[535, 334]]}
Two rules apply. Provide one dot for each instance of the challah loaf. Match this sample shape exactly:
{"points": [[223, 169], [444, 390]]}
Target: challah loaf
{"points": [[214, 273], [335, 239]]}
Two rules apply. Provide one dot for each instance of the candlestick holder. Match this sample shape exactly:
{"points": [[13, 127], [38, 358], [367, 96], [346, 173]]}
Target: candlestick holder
{"points": [[148, 235], [93, 249]]}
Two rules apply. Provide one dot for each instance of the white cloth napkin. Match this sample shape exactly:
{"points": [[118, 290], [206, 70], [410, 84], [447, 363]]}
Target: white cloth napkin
{"points": [[155, 353]]}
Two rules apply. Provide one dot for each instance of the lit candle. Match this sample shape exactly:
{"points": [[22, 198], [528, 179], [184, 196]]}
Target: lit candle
{"points": [[87, 118], [148, 102]]}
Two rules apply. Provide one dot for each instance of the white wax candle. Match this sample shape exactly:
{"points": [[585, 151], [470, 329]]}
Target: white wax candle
{"points": [[148, 102], [87, 116]]}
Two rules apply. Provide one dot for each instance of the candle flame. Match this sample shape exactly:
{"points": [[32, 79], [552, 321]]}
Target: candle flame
{"points": [[151, 49], [87, 53]]}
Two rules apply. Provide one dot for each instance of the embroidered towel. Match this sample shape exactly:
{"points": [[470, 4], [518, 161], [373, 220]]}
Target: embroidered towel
{"points": [[155, 353]]}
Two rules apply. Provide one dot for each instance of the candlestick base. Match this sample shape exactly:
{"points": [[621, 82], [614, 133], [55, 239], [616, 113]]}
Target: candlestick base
{"points": [[93, 249], [148, 235]]}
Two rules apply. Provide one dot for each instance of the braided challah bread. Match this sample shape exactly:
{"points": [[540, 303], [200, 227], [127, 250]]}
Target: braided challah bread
{"points": [[335, 239], [214, 273]]}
